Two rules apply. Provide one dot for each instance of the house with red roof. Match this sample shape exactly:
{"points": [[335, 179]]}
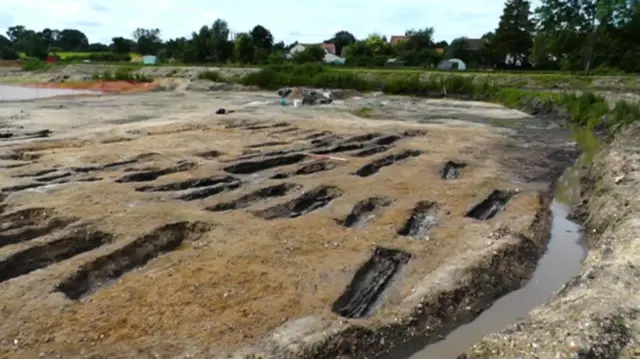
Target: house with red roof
{"points": [[395, 39], [329, 49]]}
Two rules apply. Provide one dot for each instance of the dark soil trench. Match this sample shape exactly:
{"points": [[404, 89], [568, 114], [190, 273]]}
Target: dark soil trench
{"points": [[562, 261]]}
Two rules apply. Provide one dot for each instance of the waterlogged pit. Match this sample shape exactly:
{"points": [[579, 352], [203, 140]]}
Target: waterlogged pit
{"points": [[222, 233], [561, 262]]}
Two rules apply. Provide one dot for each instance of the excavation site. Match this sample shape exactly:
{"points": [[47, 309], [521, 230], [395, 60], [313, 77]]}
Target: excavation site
{"points": [[157, 226]]}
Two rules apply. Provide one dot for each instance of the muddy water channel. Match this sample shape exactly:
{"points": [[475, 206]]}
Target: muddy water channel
{"points": [[18, 93], [561, 262]]}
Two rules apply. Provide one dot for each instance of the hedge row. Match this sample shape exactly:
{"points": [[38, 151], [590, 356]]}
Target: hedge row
{"points": [[98, 57], [586, 109]]}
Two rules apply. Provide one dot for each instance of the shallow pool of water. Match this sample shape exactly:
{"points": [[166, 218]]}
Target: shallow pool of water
{"points": [[561, 262], [18, 93]]}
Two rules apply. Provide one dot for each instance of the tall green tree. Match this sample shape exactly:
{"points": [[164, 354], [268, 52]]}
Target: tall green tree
{"points": [[16, 33], [419, 48], [50, 37], [4, 42], [175, 48], [120, 45], [71, 40], [262, 41], [261, 37], [459, 49], [148, 41], [341, 39], [244, 49], [514, 36], [222, 47]]}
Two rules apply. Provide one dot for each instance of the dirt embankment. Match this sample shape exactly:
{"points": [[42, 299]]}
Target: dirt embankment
{"points": [[596, 315]]}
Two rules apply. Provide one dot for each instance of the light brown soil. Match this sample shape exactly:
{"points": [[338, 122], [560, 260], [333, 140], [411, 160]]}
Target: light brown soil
{"points": [[230, 286], [10, 63], [103, 86]]}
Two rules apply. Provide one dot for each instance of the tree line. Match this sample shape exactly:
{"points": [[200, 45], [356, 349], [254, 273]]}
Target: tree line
{"points": [[569, 35]]}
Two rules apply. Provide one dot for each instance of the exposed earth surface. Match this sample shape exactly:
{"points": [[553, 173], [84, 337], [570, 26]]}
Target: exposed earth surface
{"points": [[150, 226]]}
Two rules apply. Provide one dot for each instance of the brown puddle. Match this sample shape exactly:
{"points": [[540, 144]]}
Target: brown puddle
{"points": [[20, 93], [561, 262], [101, 86], [36, 91]]}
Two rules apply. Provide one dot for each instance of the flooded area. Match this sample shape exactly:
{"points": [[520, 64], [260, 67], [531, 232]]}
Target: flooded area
{"points": [[561, 262], [20, 93]]}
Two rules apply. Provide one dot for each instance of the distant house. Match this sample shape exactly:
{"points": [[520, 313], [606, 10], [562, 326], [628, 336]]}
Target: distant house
{"points": [[475, 44], [394, 63], [440, 50], [149, 59], [395, 39], [330, 56], [329, 48], [334, 59], [452, 64]]}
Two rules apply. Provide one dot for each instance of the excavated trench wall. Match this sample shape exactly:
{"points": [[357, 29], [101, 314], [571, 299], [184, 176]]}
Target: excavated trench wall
{"points": [[597, 314], [455, 294]]}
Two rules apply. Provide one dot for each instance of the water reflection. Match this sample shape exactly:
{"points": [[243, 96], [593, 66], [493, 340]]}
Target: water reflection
{"points": [[567, 189], [17, 93], [561, 262]]}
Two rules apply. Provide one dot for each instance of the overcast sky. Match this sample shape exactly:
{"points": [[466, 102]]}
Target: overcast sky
{"points": [[304, 21]]}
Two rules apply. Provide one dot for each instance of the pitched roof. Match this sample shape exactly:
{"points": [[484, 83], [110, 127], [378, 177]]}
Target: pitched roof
{"points": [[397, 38], [475, 44], [330, 48]]}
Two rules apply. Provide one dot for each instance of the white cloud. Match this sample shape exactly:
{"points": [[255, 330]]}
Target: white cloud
{"points": [[289, 21]]}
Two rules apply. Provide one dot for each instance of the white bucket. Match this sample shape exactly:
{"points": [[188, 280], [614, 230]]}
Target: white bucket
{"points": [[297, 103]]}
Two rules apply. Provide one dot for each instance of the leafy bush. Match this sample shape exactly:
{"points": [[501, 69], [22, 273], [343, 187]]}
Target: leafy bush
{"points": [[99, 57], [121, 74], [214, 76], [587, 110], [8, 53], [33, 64], [623, 114]]}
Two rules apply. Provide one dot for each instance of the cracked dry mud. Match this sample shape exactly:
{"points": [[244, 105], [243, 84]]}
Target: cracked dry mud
{"points": [[271, 231]]}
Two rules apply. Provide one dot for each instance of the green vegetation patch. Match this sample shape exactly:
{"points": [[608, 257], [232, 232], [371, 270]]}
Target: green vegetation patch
{"points": [[33, 64], [214, 76], [586, 110], [122, 74]]}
